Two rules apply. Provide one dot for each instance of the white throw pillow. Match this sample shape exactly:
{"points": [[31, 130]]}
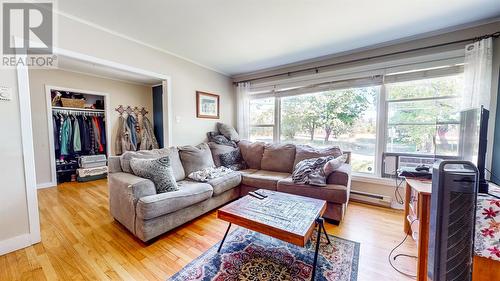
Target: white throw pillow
{"points": [[334, 164]]}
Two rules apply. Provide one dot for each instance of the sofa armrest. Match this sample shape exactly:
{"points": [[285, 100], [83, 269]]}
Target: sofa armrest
{"points": [[341, 176], [114, 165], [124, 191]]}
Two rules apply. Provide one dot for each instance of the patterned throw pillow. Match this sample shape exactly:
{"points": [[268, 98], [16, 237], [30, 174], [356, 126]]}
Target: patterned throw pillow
{"points": [[158, 171], [232, 160]]}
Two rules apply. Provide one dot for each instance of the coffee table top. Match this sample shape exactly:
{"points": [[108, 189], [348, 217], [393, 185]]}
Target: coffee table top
{"points": [[288, 217]]}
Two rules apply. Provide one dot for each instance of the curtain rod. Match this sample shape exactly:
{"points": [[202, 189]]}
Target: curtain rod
{"points": [[317, 68]]}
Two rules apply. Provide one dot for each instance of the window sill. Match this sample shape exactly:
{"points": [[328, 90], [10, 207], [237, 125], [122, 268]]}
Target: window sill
{"points": [[372, 179]]}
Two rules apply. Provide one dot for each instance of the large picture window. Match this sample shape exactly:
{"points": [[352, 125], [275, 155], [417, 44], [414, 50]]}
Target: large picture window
{"points": [[347, 118], [423, 116], [414, 112]]}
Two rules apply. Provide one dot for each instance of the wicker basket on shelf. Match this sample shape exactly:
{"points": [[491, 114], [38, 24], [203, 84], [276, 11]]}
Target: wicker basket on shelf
{"points": [[75, 103]]}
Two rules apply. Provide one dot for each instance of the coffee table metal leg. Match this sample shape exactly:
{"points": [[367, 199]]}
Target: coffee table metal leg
{"points": [[319, 221], [324, 230], [222, 242]]}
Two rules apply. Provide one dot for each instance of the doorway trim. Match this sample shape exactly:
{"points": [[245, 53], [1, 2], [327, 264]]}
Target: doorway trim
{"points": [[34, 236]]}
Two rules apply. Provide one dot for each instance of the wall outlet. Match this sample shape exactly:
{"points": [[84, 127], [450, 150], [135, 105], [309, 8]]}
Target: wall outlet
{"points": [[5, 93]]}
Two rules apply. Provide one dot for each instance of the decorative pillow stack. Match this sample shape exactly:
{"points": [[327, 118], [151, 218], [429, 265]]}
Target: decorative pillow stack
{"points": [[158, 171]]}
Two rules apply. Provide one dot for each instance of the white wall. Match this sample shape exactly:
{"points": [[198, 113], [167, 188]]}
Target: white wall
{"points": [[186, 77], [13, 208], [119, 93], [78, 37]]}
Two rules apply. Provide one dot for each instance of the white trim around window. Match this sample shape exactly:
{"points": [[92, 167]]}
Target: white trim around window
{"points": [[393, 74]]}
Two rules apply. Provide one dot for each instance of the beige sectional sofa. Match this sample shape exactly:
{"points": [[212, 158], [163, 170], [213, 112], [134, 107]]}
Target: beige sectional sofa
{"points": [[135, 203]]}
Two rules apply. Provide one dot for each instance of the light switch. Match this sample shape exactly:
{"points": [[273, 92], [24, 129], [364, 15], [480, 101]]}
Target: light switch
{"points": [[177, 119], [5, 93]]}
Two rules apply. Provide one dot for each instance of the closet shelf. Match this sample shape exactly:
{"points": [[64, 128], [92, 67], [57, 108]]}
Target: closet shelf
{"points": [[77, 109]]}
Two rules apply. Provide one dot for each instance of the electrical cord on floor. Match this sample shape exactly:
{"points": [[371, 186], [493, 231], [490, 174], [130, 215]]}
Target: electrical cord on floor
{"points": [[401, 255], [397, 194]]}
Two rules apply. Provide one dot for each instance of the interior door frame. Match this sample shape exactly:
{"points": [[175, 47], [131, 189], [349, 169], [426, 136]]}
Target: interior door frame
{"points": [[23, 80]]}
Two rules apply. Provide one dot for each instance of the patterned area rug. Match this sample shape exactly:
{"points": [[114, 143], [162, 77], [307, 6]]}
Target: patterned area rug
{"points": [[248, 255]]}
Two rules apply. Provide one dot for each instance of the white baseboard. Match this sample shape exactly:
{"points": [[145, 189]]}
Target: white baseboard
{"points": [[15, 243], [45, 185]]}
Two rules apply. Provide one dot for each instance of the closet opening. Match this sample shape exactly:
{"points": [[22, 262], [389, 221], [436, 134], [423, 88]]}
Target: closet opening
{"points": [[83, 107], [80, 136]]}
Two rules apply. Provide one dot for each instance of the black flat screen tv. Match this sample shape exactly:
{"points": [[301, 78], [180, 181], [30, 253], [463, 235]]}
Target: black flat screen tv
{"points": [[474, 141]]}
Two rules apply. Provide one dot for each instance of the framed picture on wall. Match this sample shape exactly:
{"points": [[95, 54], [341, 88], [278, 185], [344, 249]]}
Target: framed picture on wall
{"points": [[207, 105]]}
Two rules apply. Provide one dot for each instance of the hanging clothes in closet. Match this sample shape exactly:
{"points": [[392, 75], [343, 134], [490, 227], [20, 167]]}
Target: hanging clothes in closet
{"points": [[77, 134]]}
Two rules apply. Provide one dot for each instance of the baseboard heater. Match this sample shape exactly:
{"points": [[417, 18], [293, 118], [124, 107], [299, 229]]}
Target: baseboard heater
{"points": [[371, 198]]}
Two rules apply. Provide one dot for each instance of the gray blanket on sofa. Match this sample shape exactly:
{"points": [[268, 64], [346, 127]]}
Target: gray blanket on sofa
{"points": [[310, 171]]}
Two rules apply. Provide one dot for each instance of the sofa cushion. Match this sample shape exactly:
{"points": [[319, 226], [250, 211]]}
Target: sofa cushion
{"points": [[307, 152], [278, 158], [252, 153], [189, 193], [217, 150], [157, 170], [224, 183], [172, 152], [331, 192], [195, 158], [263, 179], [247, 171]]}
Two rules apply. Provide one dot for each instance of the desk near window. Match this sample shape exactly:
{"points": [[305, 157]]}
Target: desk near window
{"points": [[416, 224]]}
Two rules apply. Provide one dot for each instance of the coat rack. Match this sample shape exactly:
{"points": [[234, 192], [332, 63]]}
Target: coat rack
{"points": [[131, 110]]}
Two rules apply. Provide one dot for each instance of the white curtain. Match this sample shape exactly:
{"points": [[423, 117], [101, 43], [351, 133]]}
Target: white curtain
{"points": [[243, 110], [477, 74]]}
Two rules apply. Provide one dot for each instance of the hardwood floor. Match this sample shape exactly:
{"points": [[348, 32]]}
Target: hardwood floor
{"points": [[81, 241]]}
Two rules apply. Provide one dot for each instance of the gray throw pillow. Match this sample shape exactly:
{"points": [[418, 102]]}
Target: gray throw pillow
{"points": [[228, 131], [158, 171], [195, 158], [217, 150], [173, 152]]}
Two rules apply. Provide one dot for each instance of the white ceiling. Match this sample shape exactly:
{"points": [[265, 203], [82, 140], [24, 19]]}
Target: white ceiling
{"points": [[238, 36]]}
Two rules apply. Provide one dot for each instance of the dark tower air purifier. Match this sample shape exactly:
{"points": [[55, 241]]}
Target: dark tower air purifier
{"points": [[451, 238]]}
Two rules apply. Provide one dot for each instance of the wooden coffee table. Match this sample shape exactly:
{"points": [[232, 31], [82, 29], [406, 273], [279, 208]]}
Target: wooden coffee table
{"points": [[287, 217]]}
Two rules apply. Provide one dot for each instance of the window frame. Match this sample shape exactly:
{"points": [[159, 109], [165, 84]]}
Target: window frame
{"points": [[274, 126], [457, 71], [449, 67]]}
